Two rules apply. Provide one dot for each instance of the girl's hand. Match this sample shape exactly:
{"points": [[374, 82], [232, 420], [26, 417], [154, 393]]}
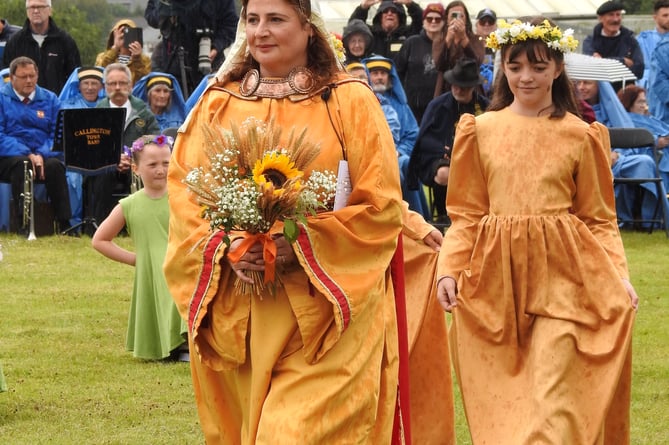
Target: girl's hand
{"points": [[447, 291], [634, 298]]}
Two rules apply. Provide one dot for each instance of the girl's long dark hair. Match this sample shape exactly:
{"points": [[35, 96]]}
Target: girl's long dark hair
{"points": [[562, 93]]}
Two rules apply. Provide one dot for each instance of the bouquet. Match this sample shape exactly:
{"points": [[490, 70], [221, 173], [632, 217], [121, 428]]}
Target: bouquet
{"points": [[251, 182]]}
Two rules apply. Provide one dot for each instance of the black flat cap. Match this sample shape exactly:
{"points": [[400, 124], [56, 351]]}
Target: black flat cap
{"points": [[609, 6]]}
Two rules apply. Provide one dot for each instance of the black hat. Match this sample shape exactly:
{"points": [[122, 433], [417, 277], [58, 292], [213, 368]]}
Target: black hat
{"points": [[609, 6], [464, 74], [386, 4], [487, 12]]}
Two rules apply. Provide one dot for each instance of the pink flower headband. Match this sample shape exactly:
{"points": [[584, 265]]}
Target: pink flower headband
{"points": [[139, 144]]}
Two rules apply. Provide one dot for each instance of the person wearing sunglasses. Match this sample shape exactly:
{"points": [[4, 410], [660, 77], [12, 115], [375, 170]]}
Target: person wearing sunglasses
{"points": [[414, 62], [458, 41], [54, 50], [486, 23]]}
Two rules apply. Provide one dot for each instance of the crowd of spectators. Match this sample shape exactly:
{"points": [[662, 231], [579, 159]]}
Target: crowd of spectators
{"points": [[425, 46], [428, 67], [28, 131]]}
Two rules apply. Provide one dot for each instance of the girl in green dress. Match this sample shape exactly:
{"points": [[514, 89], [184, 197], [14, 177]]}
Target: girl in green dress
{"points": [[155, 328]]}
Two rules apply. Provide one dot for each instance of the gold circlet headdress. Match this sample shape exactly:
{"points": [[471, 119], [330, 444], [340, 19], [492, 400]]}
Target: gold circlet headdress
{"points": [[517, 31]]}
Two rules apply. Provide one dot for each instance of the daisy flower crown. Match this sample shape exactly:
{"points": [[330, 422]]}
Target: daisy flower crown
{"points": [[139, 144], [517, 31]]}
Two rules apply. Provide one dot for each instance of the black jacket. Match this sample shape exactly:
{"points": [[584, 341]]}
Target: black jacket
{"points": [[7, 32], [437, 130], [56, 58], [417, 72], [216, 19], [618, 47], [387, 45], [357, 26]]}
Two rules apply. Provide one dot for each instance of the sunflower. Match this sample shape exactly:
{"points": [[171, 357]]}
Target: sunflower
{"points": [[275, 168]]}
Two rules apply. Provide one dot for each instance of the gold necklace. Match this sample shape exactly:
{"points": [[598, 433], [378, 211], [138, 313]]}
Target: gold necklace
{"points": [[300, 81]]}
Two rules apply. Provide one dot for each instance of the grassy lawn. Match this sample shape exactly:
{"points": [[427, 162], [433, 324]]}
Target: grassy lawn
{"points": [[71, 381]]}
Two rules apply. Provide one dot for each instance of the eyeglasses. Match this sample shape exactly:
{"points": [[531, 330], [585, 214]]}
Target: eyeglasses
{"points": [[487, 22], [37, 7], [26, 77], [118, 84], [431, 19]]}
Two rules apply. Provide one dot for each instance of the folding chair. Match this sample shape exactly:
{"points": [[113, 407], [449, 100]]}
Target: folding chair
{"points": [[630, 138], [171, 131]]}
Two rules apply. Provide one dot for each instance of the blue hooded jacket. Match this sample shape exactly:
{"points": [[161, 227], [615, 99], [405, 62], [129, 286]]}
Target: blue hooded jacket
{"points": [[70, 96], [175, 114], [397, 99], [197, 92]]}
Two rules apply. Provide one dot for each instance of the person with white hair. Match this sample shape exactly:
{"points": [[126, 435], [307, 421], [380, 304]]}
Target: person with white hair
{"points": [[108, 188], [162, 93], [52, 48]]}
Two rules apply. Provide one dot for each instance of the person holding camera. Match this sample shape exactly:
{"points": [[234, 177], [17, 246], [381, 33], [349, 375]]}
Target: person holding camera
{"points": [[458, 41], [194, 35], [122, 50]]}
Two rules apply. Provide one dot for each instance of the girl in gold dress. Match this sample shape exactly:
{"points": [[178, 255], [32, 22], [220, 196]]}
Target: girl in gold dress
{"points": [[533, 267]]}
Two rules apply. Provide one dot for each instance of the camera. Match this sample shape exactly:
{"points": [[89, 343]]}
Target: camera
{"points": [[203, 62], [456, 15]]}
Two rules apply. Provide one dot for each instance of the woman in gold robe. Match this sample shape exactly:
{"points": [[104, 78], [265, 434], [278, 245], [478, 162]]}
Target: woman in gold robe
{"points": [[317, 362]]}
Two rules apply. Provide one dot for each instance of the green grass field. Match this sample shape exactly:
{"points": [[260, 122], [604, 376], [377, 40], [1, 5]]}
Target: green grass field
{"points": [[71, 381]]}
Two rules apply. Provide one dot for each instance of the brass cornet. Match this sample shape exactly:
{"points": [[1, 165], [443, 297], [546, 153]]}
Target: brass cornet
{"points": [[135, 183], [28, 200]]}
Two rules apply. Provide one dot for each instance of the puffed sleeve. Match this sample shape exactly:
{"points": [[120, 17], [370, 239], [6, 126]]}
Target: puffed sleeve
{"points": [[594, 202], [467, 199]]}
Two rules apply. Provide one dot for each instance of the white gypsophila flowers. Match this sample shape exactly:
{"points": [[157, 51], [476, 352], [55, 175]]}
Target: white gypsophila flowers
{"points": [[324, 184]]}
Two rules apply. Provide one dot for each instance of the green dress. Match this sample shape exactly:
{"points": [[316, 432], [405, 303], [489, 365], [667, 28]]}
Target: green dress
{"points": [[155, 327]]}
